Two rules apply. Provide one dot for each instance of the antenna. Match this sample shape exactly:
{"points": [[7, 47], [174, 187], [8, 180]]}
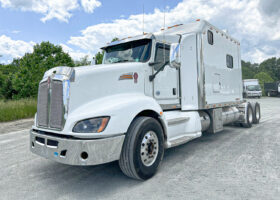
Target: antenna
{"points": [[164, 32], [143, 18]]}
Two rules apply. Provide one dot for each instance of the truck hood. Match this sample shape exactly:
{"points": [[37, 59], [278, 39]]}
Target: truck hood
{"points": [[100, 81]]}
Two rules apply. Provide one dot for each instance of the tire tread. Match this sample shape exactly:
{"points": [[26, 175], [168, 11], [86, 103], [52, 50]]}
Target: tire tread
{"points": [[125, 162]]}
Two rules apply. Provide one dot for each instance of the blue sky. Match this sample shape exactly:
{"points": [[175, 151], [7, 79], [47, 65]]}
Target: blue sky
{"points": [[31, 28], [82, 26]]}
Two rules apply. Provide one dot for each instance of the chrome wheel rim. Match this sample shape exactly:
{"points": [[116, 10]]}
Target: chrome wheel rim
{"points": [[250, 113], [149, 148]]}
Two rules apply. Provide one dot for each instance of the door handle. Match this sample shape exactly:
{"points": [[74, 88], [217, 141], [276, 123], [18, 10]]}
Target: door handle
{"points": [[174, 91]]}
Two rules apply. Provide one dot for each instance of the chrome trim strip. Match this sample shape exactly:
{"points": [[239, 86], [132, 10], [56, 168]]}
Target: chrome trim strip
{"points": [[200, 72], [170, 106], [178, 120]]}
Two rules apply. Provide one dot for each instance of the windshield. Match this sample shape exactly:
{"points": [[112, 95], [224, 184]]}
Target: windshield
{"points": [[135, 51], [254, 88]]}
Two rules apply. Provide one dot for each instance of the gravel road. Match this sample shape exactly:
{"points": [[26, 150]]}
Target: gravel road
{"points": [[237, 163]]}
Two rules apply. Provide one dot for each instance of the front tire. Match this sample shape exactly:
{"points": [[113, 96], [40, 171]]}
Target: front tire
{"points": [[143, 148]]}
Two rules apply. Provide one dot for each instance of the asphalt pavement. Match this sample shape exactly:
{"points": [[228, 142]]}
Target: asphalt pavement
{"points": [[237, 163]]}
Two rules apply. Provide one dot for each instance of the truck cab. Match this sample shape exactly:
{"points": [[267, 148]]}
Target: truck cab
{"points": [[152, 92], [251, 88]]}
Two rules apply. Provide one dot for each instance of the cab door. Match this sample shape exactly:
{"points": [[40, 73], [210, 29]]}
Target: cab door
{"points": [[166, 82]]}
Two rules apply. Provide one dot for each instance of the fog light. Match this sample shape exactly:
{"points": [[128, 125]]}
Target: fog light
{"points": [[84, 155]]}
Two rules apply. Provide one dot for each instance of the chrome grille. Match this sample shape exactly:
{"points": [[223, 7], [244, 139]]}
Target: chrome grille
{"points": [[42, 106], [50, 109], [56, 110]]}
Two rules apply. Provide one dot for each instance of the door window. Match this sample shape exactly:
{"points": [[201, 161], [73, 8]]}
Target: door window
{"points": [[162, 55]]}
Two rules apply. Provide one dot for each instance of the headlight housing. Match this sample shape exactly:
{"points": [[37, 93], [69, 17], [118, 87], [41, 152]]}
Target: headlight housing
{"points": [[93, 125]]}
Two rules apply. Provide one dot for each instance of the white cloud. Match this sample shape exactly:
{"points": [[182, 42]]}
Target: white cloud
{"points": [[245, 20], [52, 9], [10, 49], [90, 5], [75, 54], [15, 32]]}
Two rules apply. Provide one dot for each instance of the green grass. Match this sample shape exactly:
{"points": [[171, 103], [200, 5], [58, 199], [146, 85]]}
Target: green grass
{"points": [[17, 109]]}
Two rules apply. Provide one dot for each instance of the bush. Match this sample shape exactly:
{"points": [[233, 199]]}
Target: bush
{"points": [[17, 109]]}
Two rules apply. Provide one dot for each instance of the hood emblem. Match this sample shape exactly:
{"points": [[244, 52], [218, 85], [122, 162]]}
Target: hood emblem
{"points": [[135, 76], [49, 81], [128, 76]]}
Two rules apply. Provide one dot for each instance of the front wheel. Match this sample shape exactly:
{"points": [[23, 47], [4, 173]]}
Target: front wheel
{"points": [[143, 148]]}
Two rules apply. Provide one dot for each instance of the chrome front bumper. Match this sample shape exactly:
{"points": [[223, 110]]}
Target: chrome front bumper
{"points": [[254, 94], [76, 151]]}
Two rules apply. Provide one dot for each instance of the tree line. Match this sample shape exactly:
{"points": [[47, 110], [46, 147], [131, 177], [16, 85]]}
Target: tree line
{"points": [[266, 72], [20, 79]]}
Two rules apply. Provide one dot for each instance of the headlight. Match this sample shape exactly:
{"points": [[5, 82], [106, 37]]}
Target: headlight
{"points": [[94, 125]]}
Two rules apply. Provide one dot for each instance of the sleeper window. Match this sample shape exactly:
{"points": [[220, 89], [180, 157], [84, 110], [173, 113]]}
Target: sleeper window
{"points": [[229, 61], [210, 37]]}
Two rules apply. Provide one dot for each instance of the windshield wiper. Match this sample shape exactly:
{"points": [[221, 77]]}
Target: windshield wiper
{"points": [[119, 61], [152, 77]]}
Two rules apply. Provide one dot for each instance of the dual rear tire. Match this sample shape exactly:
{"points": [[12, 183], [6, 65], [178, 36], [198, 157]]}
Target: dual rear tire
{"points": [[253, 114]]}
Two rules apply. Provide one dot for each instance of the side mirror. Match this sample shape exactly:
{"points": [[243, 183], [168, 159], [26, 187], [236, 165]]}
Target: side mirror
{"points": [[174, 57]]}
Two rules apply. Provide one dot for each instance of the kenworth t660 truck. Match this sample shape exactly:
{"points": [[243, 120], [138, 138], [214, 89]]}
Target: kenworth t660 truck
{"points": [[152, 92]]}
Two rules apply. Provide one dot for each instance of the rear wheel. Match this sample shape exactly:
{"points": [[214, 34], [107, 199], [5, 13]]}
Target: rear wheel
{"points": [[257, 113], [143, 148], [249, 116]]}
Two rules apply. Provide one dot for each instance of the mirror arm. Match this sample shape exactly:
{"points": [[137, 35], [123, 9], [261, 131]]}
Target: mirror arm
{"points": [[152, 77]]}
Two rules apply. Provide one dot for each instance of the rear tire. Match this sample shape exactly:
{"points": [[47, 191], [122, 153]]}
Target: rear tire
{"points": [[143, 148], [249, 117], [257, 113]]}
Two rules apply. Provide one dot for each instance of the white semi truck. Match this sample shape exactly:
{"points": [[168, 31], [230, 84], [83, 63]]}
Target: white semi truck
{"points": [[152, 92]]}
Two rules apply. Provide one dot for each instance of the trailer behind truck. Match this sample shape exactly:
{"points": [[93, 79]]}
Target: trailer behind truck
{"points": [[152, 92]]}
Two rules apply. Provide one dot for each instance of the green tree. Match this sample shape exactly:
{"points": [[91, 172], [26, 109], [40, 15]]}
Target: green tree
{"points": [[115, 39], [83, 62], [2, 79], [99, 56], [32, 67], [272, 67], [248, 70], [263, 77]]}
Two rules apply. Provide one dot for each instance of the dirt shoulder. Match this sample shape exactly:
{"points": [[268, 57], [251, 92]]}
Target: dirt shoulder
{"points": [[18, 125]]}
